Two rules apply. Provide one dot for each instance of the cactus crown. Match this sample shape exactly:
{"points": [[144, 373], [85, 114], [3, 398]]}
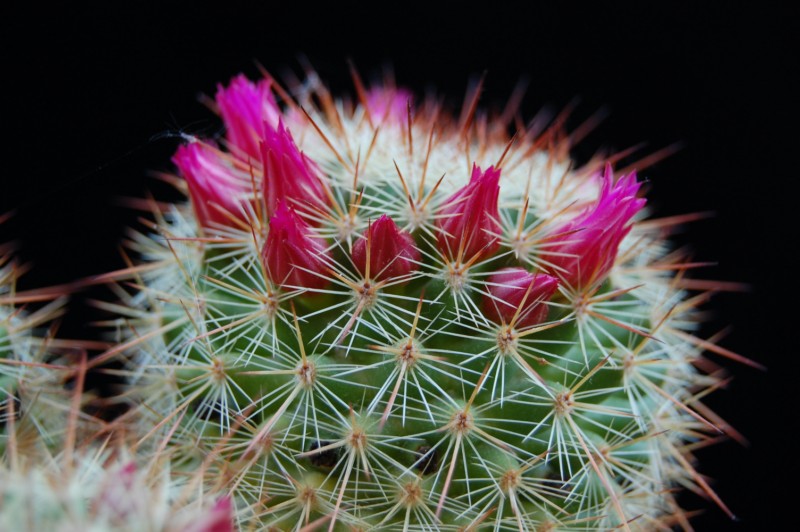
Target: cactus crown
{"points": [[378, 315]]}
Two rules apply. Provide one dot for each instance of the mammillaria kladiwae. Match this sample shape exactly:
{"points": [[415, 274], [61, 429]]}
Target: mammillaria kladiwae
{"points": [[374, 314]]}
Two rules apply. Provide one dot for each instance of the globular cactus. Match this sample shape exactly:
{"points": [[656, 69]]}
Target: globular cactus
{"points": [[103, 489], [33, 371], [374, 314], [60, 468]]}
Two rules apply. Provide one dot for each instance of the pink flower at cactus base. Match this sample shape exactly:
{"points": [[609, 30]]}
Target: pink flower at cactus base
{"points": [[245, 107], [288, 174], [294, 255], [392, 252], [389, 105], [507, 289], [114, 498], [469, 218], [217, 192], [217, 519], [582, 251]]}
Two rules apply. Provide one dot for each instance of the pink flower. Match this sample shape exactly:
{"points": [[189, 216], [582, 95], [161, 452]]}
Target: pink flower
{"points": [[217, 519], [392, 252], [113, 499], [582, 251], [388, 105], [294, 255], [469, 218], [508, 287], [288, 174], [245, 107], [217, 192]]}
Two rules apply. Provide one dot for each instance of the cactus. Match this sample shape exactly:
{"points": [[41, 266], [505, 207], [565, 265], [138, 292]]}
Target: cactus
{"points": [[33, 370], [374, 314], [102, 486], [60, 468]]}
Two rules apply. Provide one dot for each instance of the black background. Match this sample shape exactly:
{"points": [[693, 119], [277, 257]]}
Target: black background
{"points": [[94, 99]]}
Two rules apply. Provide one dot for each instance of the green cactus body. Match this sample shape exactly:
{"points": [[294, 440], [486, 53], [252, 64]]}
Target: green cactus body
{"points": [[326, 389]]}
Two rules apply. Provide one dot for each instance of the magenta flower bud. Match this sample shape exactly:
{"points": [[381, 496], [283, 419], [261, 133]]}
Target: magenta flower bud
{"points": [[288, 174], [245, 107], [389, 105], [469, 218], [582, 251], [217, 192], [507, 289], [392, 252], [219, 518], [294, 254]]}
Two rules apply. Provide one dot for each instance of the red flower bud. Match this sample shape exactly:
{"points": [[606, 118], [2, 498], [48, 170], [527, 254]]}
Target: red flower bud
{"points": [[392, 252], [388, 105], [245, 107], [294, 255], [288, 174], [583, 251], [217, 190], [469, 218], [507, 289]]}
